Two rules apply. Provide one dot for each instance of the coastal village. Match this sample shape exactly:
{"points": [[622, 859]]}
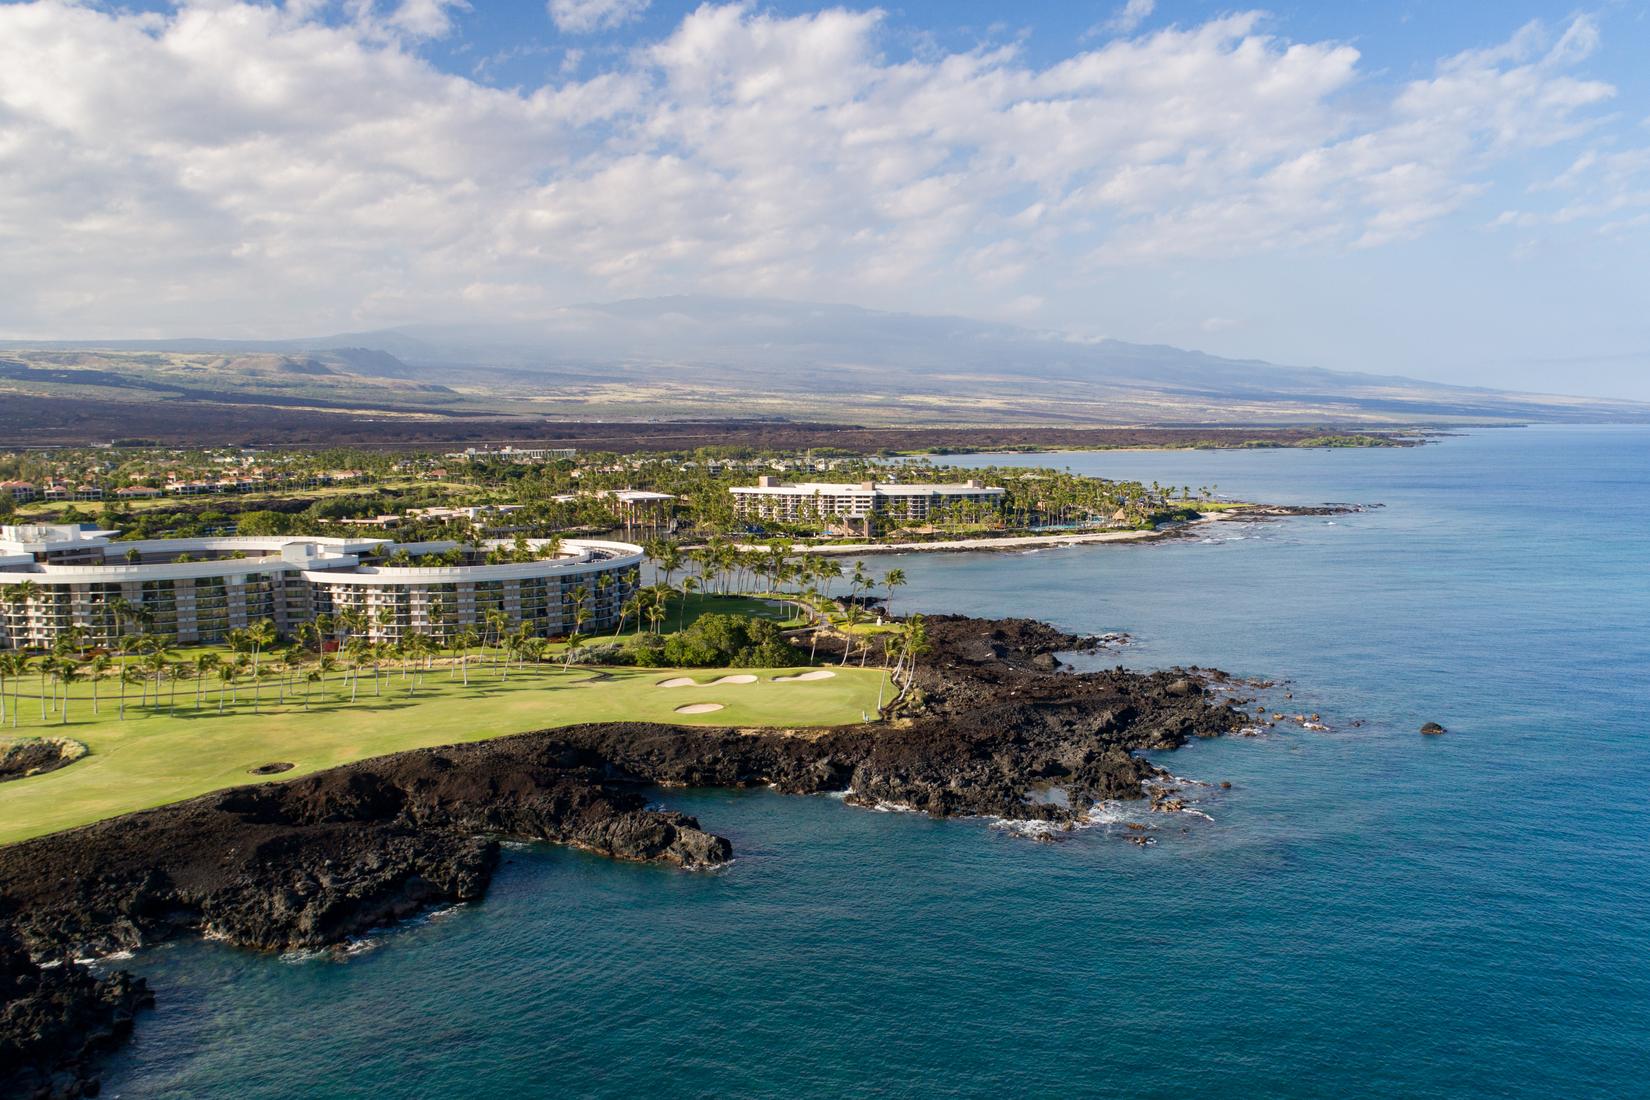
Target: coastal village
{"points": [[493, 492]]}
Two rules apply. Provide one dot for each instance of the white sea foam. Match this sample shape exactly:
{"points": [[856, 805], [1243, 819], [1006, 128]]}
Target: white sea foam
{"points": [[1036, 830], [883, 807]]}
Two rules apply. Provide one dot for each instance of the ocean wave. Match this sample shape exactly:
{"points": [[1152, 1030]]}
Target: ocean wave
{"points": [[1034, 828], [884, 807]]}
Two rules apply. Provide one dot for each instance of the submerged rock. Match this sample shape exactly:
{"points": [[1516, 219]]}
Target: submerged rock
{"points": [[1432, 729], [56, 1019]]}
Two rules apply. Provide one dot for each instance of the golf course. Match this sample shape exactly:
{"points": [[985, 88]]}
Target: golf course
{"points": [[164, 752]]}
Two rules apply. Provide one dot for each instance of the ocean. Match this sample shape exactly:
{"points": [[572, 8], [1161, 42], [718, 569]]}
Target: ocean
{"points": [[1366, 912]]}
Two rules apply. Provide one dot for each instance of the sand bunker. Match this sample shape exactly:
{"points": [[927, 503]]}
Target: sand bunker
{"points": [[816, 674], [699, 708], [688, 681]]}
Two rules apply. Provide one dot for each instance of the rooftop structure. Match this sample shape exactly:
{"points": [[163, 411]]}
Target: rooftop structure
{"points": [[54, 577]]}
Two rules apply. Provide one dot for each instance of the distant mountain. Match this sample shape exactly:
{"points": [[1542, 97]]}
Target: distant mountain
{"points": [[804, 350], [700, 356]]}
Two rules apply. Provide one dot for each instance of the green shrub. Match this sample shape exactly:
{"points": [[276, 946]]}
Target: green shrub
{"points": [[718, 640]]}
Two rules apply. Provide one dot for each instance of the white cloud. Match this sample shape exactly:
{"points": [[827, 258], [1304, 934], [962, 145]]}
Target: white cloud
{"points": [[1128, 18], [244, 168], [585, 16], [426, 18]]}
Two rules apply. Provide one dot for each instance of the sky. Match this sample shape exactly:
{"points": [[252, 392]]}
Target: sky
{"points": [[1453, 191]]}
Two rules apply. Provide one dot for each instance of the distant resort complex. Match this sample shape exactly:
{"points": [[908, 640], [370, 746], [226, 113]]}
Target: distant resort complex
{"points": [[861, 503], [54, 577]]}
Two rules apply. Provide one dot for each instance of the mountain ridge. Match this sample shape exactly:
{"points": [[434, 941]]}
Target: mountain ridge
{"points": [[692, 355]]}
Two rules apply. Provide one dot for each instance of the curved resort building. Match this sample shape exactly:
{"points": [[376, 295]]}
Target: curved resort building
{"points": [[53, 577]]}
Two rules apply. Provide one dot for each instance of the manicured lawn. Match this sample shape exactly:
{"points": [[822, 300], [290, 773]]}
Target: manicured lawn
{"points": [[682, 611], [156, 757]]}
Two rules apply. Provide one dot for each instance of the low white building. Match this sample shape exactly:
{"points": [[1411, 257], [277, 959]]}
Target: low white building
{"points": [[772, 499]]}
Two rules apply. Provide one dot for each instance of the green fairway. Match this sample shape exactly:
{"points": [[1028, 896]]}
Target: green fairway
{"points": [[158, 756]]}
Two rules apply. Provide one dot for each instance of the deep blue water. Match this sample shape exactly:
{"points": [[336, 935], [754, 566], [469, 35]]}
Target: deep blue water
{"points": [[1368, 912]]}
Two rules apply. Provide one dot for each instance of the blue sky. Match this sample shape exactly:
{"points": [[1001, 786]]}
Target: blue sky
{"points": [[1453, 191]]}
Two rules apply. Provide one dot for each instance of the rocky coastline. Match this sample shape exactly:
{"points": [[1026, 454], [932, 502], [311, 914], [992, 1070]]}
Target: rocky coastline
{"points": [[312, 862]]}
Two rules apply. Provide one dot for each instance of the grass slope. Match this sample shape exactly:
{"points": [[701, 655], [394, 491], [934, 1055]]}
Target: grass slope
{"points": [[156, 757]]}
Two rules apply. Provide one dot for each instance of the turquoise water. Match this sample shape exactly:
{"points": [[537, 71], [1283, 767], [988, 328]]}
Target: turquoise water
{"points": [[1368, 912]]}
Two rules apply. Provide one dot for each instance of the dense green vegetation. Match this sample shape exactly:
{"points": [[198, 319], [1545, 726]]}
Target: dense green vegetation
{"points": [[713, 640], [334, 491]]}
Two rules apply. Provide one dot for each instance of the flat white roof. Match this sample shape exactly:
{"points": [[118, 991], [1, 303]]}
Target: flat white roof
{"points": [[335, 560]]}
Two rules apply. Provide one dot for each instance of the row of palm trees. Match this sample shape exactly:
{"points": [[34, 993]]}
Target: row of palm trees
{"points": [[150, 666], [722, 566]]}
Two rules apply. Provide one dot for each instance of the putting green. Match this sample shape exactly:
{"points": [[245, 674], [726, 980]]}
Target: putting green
{"points": [[158, 756]]}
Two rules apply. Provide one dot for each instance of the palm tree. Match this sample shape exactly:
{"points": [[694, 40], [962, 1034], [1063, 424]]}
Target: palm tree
{"points": [[130, 674], [386, 620], [205, 664], [242, 665], [497, 623], [860, 580], [180, 672], [895, 578], [581, 608], [18, 597], [227, 671], [665, 554], [261, 634], [632, 605], [465, 640], [353, 620], [67, 673], [17, 667], [326, 664], [157, 662], [358, 650], [97, 667], [830, 570], [48, 665], [508, 644], [416, 646], [63, 649], [853, 615], [913, 644], [690, 585]]}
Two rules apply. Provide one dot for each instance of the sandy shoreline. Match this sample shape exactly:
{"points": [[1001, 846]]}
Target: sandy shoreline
{"points": [[1015, 542]]}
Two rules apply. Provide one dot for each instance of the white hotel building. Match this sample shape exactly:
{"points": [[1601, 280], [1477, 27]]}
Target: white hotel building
{"points": [[773, 499], [54, 576]]}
